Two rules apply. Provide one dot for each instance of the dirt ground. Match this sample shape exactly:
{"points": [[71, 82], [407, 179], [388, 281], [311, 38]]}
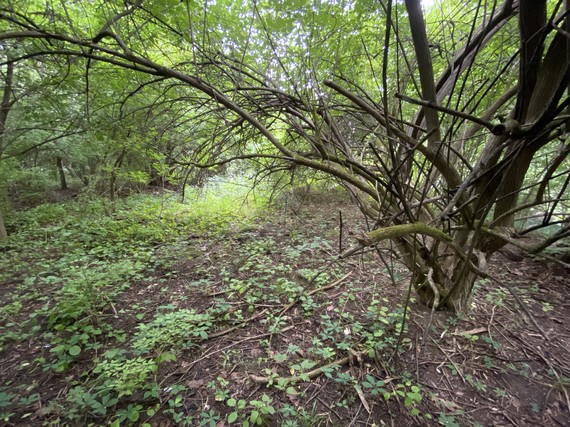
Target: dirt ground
{"points": [[504, 363]]}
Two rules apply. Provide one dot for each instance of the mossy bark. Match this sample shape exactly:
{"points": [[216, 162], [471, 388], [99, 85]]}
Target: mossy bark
{"points": [[443, 281]]}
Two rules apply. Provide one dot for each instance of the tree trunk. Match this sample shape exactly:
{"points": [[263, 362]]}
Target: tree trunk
{"points": [[3, 233], [62, 181], [5, 107], [446, 286], [113, 179]]}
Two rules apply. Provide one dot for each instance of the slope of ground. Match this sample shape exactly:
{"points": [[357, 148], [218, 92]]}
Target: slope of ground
{"points": [[256, 323]]}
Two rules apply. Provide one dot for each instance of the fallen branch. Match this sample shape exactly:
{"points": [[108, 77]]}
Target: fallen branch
{"points": [[449, 360], [211, 353], [530, 249], [314, 291], [233, 328], [308, 375], [538, 353], [522, 305]]}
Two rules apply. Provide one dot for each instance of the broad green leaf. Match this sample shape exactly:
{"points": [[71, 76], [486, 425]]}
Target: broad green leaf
{"points": [[74, 350]]}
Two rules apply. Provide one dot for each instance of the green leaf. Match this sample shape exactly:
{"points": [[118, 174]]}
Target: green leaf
{"points": [[254, 416], [231, 402], [166, 357], [292, 391], [58, 349], [232, 417], [134, 416], [74, 350], [307, 364]]}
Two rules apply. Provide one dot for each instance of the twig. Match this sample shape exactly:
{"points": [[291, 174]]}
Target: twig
{"points": [[362, 398], [491, 321], [315, 395], [205, 356], [435, 302], [504, 414], [545, 360], [446, 110], [356, 416], [233, 328], [330, 408], [340, 226], [310, 375], [314, 291], [449, 360], [217, 293], [523, 306]]}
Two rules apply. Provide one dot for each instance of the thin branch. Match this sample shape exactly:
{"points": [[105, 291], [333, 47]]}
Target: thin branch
{"points": [[446, 110]]}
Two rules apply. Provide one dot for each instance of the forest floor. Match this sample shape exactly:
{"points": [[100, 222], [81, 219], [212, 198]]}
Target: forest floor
{"points": [[234, 326]]}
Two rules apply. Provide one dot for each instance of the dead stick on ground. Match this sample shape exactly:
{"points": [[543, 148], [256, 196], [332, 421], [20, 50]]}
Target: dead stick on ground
{"points": [[210, 354], [287, 308], [340, 232], [308, 375], [523, 306], [246, 321], [449, 360], [314, 291], [545, 360], [362, 398]]}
